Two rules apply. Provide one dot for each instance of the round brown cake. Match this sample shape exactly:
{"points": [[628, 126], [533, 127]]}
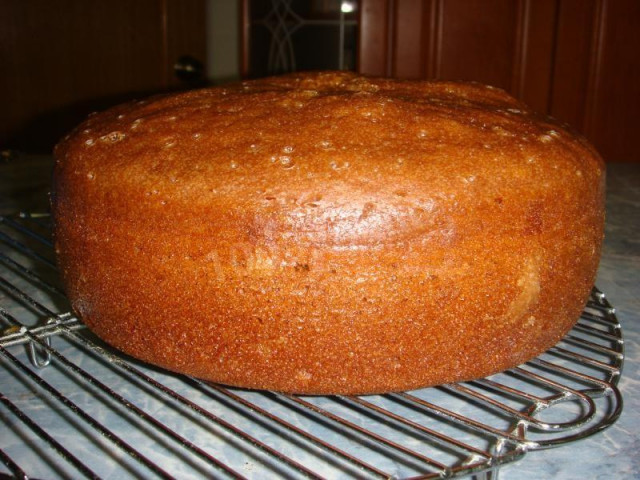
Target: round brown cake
{"points": [[328, 233]]}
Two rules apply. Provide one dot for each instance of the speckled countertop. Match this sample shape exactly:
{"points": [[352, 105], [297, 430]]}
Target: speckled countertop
{"points": [[612, 454]]}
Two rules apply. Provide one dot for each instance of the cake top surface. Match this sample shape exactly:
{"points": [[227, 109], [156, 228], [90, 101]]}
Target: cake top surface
{"points": [[330, 141]]}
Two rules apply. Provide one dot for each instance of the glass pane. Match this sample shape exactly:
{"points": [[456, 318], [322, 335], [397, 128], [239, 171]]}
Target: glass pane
{"points": [[298, 35]]}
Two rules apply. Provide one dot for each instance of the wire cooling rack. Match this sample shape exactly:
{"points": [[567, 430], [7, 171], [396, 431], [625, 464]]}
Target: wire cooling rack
{"points": [[71, 407]]}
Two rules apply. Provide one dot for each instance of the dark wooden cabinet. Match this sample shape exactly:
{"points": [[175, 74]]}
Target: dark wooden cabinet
{"points": [[577, 60], [60, 60]]}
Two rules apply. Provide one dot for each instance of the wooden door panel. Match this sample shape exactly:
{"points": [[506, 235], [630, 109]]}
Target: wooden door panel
{"points": [[612, 119], [374, 43], [533, 77], [596, 81], [577, 60], [64, 59], [573, 55], [185, 34], [412, 21], [504, 43], [477, 41]]}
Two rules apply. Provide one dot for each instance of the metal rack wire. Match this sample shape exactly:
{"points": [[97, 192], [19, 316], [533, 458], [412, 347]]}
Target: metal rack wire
{"points": [[70, 407]]}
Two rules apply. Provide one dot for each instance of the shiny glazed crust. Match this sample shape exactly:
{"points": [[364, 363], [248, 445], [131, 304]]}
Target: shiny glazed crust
{"points": [[328, 233]]}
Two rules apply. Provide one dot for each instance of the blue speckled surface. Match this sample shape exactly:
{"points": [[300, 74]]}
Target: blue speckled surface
{"points": [[612, 454]]}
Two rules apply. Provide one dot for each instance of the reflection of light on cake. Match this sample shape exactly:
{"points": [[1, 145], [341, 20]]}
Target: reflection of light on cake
{"points": [[347, 6]]}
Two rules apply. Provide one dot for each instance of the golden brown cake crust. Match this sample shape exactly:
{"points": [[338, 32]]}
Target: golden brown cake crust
{"points": [[328, 233]]}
